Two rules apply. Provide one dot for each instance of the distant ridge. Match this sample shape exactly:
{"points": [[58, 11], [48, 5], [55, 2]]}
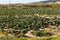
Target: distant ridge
{"points": [[47, 1]]}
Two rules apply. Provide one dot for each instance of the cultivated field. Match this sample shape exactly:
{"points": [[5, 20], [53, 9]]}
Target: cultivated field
{"points": [[25, 22]]}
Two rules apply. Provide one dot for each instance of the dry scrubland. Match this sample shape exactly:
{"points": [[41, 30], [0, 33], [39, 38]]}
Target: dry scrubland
{"points": [[28, 21]]}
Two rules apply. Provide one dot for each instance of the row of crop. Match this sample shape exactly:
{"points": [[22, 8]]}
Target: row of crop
{"points": [[22, 24], [39, 10], [31, 21]]}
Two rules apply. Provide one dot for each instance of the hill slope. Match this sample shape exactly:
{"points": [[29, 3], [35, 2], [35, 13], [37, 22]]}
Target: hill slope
{"points": [[48, 1]]}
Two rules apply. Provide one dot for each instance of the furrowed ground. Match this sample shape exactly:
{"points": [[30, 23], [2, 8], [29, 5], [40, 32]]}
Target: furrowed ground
{"points": [[30, 21]]}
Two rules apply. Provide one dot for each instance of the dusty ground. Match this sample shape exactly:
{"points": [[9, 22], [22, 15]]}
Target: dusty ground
{"points": [[55, 33]]}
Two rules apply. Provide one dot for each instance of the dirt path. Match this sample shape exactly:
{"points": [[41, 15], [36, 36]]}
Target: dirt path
{"points": [[29, 34]]}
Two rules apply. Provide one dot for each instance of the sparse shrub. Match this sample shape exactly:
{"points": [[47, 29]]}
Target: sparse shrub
{"points": [[47, 32], [37, 33]]}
